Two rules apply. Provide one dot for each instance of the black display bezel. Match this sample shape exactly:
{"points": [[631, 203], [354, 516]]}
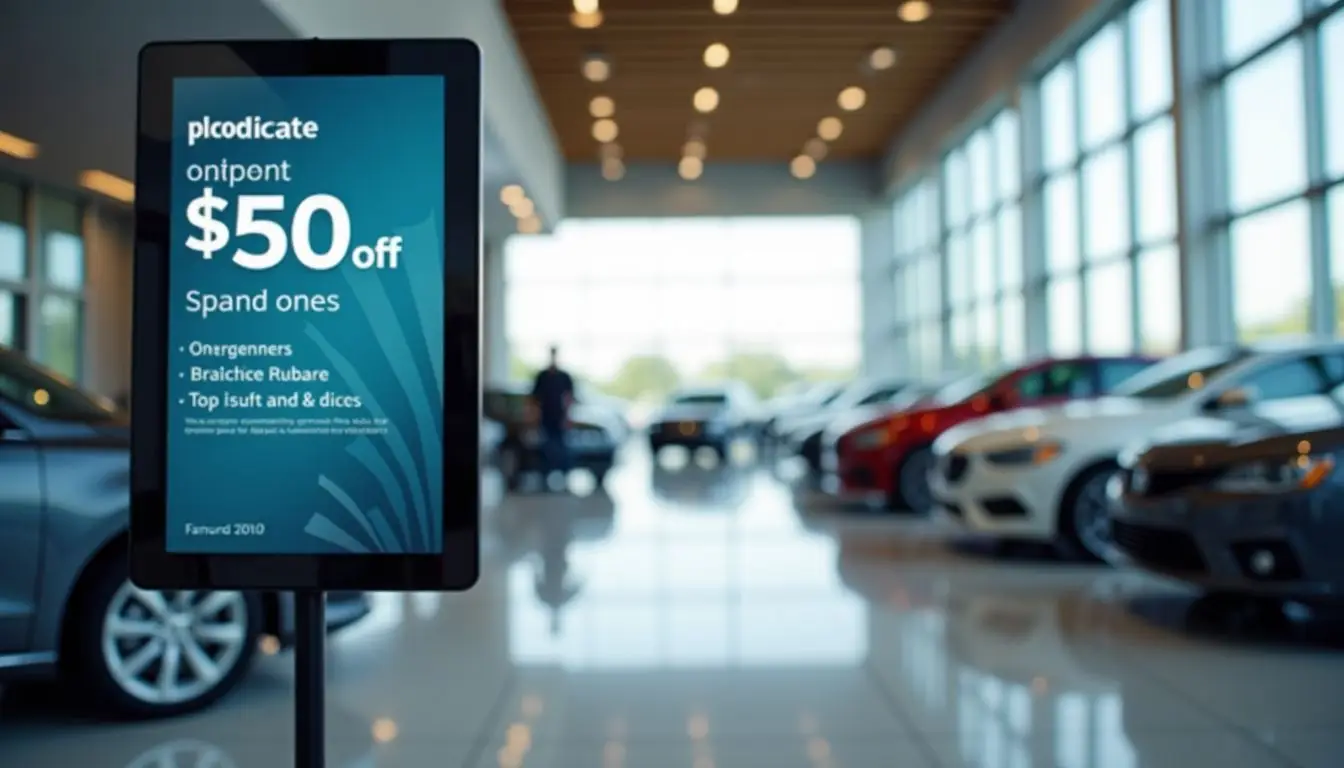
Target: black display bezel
{"points": [[459, 64]]}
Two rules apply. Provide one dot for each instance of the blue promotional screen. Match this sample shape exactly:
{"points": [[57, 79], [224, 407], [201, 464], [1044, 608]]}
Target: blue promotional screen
{"points": [[306, 327]]}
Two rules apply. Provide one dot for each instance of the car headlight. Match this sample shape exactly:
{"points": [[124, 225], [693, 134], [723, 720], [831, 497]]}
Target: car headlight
{"points": [[1269, 476], [1035, 453], [869, 439]]}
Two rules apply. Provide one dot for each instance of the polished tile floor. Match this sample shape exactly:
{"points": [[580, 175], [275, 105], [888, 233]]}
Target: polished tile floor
{"points": [[715, 618]]}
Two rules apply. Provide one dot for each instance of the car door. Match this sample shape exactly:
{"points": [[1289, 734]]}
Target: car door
{"points": [[21, 510]]}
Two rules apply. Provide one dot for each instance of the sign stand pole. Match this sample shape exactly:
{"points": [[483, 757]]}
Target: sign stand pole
{"points": [[310, 678]]}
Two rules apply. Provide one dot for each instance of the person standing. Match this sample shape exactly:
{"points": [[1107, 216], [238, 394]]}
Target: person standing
{"points": [[553, 394]]}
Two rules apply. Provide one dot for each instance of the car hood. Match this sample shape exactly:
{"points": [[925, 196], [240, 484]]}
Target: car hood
{"points": [[1110, 421], [833, 425], [1246, 425]]}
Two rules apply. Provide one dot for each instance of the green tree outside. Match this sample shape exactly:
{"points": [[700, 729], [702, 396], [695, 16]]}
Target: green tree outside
{"points": [[644, 377]]}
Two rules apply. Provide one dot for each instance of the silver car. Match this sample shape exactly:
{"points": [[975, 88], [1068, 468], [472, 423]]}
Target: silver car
{"points": [[67, 608]]}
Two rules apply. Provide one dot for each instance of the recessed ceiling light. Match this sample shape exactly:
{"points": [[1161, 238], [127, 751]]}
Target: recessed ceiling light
{"points": [[522, 208], [15, 147], [530, 225], [716, 55], [830, 128], [605, 130], [586, 6], [596, 68], [591, 20], [915, 11], [690, 168], [613, 169], [695, 148], [511, 194], [725, 7], [706, 99], [602, 106], [852, 98], [815, 148], [802, 167], [882, 57]]}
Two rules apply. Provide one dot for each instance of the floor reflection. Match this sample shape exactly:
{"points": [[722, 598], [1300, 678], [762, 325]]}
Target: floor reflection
{"points": [[706, 616]]}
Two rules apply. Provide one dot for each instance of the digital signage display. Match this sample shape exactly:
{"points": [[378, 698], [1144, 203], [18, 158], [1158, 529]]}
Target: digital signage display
{"points": [[312, 348]]}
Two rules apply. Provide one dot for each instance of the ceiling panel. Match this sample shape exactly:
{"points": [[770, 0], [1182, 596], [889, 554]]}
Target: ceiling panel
{"points": [[789, 60]]}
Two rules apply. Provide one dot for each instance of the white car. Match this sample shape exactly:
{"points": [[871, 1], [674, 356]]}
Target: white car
{"points": [[1041, 473]]}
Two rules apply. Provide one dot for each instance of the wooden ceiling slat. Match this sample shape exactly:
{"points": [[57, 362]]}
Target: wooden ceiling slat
{"points": [[790, 58]]}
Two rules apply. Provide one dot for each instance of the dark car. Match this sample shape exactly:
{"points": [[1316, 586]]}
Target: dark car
{"points": [[705, 417], [67, 605], [518, 454], [1245, 499]]}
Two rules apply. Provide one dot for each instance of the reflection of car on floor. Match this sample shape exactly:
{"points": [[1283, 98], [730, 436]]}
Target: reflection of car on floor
{"points": [[1246, 499], [893, 455], [1042, 473], [66, 605], [724, 486], [591, 438], [704, 417]]}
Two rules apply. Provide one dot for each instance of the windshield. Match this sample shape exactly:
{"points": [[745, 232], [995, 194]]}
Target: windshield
{"points": [[46, 395], [962, 389], [1179, 375], [701, 398]]}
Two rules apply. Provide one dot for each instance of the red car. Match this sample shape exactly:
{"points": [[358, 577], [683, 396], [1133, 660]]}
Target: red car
{"points": [[892, 455]]}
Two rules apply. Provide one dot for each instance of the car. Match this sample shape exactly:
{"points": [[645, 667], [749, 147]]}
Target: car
{"points": [[893, 455], [1242, 500], [1041, 474], [867, 398], [68, 609], [704, 417], [809, 399], [611, 410], [592, 437]]}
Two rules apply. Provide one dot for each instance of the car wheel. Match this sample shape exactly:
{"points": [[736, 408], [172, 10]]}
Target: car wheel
{"points": [[1085, 518], [912, 492], [510, 467], [144, 653]]}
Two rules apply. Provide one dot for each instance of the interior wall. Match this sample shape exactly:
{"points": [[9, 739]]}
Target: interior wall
{"points": [[108, 249]]}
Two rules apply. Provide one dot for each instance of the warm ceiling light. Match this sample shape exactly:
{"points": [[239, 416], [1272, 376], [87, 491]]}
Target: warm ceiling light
{"points": [[802, 167], [882, 57], [596, 68], [851, 98], [725, 7], [530, 225], [108, 184], [815, 148], [602, 106], [605, 130], [706, 99], [690, 168], [511, 194], [915, 11], [716, 55], [591, 20], [523, 208], [695, 148], [613, 169], [610, 151], [830, 128], [15, 147], [586, 6], [384, 730]]}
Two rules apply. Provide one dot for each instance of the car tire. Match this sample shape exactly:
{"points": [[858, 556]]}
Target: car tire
{"points": [[122, 639], [1083, 527], [911, 492]]}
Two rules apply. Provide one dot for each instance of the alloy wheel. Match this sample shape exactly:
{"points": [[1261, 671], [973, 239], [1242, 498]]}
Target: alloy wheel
{"points": [[1092, 516], [166, 648]]}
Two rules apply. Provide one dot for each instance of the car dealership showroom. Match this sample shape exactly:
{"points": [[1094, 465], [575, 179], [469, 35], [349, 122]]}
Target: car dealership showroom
{"points": [[955, 384]]}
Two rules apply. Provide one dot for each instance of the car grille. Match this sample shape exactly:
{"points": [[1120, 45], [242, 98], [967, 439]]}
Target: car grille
{"points": [[1165, 482], [954, 467], [1161, 548], [1000, 507]]}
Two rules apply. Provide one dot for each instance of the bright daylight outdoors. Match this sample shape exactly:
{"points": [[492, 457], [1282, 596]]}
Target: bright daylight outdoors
{"points": [[639, 307]]}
